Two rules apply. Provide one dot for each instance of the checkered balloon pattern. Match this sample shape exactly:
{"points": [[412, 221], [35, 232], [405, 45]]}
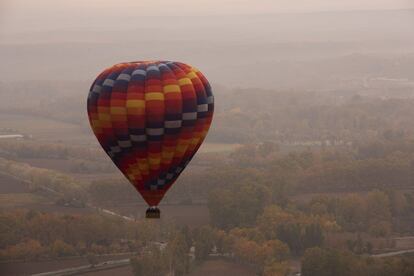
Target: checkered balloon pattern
{"points": [[150, 118]]}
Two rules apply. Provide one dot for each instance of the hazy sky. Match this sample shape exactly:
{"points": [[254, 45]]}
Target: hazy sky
{"points": [[23, 15], [201, 6], [88, 35]]}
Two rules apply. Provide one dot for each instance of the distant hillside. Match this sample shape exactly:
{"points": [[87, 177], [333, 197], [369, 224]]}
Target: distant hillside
{"points": [[281, 50]]}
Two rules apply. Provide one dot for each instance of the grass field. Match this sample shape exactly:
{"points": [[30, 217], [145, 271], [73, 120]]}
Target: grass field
{"points": [[222, 268], [207, 268], [65, 166], [61, 165], [28, 268], [20, 200], [52, 130], [45, 129], [10, 184], [217, 147]]}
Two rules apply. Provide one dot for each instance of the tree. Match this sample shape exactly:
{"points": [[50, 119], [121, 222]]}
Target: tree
{"points": [[313, 235], [178, 250], [291, 234], [237, 206], [276, 269], [260, 255], [249, 251], [276, 251], [152, 262], [29, 250], [326, 262], [61, 249], [379, 213], [272, 217], [203, 242], [351, 213], [223, 242], [59, 235]]}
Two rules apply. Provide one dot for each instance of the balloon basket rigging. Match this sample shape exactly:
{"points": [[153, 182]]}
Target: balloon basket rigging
{"points": [[153, 212]]}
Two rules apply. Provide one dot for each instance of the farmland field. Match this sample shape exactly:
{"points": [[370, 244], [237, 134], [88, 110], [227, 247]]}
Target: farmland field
{"points": [[121, 271], [207, 268], [10, 184], [222, 268], [27, 268], [62, 165], [19, 200], [45, 129], [218, 147]]}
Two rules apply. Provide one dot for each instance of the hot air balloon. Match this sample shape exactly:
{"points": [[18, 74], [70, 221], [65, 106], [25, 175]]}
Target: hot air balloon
{"points": [[151, 117]]}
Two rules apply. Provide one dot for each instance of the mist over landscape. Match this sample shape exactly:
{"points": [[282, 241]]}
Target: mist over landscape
{"points": [[308, 168], [307, 50]]}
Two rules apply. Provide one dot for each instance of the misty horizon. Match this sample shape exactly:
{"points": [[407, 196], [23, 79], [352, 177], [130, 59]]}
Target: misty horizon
{"points": [[307, 168], [224, 48]]}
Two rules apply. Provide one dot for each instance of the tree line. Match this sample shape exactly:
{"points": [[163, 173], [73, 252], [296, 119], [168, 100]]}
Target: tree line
{"points": [[32, 235]]}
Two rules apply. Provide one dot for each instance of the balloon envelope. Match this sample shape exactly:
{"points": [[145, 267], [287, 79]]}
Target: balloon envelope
{"points": [[151, 117]]}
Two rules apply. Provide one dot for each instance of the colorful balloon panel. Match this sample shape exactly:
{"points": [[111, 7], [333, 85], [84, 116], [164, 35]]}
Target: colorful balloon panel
{"points": [[150, 118]]}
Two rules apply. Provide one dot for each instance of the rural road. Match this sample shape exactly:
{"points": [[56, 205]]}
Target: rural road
{"points": [[395, 253], [124, 262], [86, 268]]}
